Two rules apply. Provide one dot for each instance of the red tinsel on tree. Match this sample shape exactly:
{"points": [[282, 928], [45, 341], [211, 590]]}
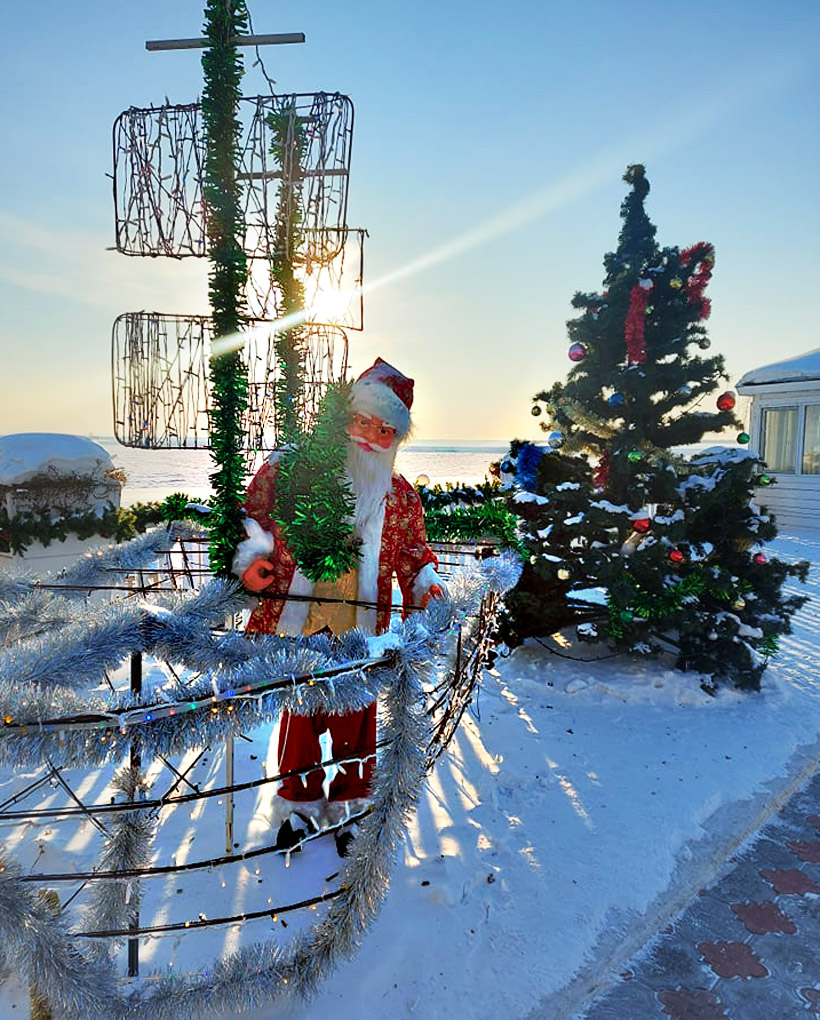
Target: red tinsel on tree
{"points": [[635, 326], [703, 255], [600, 476]]}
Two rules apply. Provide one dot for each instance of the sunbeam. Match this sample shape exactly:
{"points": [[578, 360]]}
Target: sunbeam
{"points": [[743, 87]]}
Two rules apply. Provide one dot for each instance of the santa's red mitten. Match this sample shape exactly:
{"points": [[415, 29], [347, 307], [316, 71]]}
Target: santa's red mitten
{"points": [[251, 563], [435, 591], [258, 575]]}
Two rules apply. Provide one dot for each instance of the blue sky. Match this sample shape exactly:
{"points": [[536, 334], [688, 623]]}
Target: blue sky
{"points": [[487, 160]]}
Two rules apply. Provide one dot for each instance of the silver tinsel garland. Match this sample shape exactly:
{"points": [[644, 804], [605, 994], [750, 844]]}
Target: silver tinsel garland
{"points": [[27, 609], [78, 984], [115, 903]]}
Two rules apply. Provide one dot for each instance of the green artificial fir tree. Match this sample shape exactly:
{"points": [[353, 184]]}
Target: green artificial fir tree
{"points": [[288, 150], [672, 541]]}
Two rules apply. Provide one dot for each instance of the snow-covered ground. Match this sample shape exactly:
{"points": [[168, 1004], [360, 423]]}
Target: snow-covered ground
{"points": [[580, 805]]}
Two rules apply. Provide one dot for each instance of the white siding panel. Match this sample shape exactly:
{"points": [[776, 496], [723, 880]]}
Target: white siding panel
{"points": [[794, 500]]}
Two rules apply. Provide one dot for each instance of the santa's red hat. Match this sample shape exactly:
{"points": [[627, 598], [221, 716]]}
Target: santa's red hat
{"points": [[383, 390]]}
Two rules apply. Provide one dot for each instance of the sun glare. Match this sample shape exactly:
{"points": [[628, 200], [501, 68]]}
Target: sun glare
{"points": [[327, 305]]}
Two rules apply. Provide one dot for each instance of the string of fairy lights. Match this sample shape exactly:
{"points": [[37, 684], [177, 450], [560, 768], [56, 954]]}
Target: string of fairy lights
{"points": [[446, 699], [156, 711]]}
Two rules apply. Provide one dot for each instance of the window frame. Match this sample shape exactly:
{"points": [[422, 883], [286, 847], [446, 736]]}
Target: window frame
{"points": [[797, 460], [799, 405], [802, 437]]}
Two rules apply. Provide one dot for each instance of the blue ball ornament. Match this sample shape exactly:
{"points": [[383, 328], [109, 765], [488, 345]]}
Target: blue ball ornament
{"points": [[616, 400], [555, 440]]}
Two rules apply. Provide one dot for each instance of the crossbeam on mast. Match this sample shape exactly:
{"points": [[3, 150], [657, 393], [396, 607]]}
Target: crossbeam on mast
{"points": [[269, 175], [238, 40]]}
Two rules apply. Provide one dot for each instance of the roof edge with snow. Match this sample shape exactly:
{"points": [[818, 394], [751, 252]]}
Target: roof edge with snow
{"points": [[805, 368]]}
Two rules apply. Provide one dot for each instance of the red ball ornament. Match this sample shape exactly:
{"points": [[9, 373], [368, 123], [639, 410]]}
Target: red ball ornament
{"points": [[577, 352], [641, 525], [726, 401], [759, 558], [676, 556]]}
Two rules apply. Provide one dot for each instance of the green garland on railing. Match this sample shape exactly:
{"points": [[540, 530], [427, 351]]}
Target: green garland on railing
{"points": [[314, 502], [462, 513], [288, 150], [21, 531], [222, 70], [120, 524]]}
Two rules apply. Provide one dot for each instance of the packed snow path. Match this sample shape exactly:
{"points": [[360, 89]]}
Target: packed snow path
{"points": [[585, 806]]}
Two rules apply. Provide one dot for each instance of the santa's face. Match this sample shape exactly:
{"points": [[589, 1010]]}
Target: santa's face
{"points": [[371, 433]]}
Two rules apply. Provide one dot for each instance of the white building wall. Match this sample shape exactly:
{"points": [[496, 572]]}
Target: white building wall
{"points": [[794, 498]]}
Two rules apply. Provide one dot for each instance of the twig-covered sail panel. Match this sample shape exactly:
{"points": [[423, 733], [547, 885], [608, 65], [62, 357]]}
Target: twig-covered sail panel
{"points": [[294, 148], [161, 389]]}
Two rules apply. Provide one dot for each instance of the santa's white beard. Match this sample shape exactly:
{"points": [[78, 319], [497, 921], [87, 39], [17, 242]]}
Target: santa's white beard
{"points": [[370, 473]]}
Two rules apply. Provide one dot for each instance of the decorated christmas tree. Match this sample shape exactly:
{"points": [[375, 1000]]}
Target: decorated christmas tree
{"points": [[629, 538]]}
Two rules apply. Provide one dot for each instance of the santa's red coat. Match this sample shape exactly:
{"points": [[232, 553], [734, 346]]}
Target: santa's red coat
{"points": [[394, 543], [398, 534]]}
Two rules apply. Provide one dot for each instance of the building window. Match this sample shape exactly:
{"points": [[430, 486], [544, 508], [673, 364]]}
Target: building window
{"points": [[811, 440], [780, 439]]}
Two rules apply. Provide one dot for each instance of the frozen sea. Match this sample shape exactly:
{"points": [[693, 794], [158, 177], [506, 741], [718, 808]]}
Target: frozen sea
{"points": [[154, 474]]}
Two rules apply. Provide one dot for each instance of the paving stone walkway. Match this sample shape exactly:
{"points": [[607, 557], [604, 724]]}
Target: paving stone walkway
{"points": [[749, 947]]}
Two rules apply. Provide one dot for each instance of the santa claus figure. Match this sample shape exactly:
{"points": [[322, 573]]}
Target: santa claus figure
{"points": [[389, 522]]}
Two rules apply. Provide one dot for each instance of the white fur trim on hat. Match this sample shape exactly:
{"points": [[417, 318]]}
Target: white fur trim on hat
{"points": [[373, 393]]}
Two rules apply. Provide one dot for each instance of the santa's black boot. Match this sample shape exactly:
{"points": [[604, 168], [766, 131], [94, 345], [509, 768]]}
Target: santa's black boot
{"points": [[343, 840], [289, 835], [294, 830]]}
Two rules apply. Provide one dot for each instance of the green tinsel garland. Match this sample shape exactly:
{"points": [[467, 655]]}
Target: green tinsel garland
{"points": [[19, 532], [314, 503], [288, 149], [120, 524], [446, 519], [654, 606], [222, 70]]}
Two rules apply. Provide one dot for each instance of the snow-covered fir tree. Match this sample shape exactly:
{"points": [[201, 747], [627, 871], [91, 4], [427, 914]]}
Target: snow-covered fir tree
{"points": [[608, 503]]}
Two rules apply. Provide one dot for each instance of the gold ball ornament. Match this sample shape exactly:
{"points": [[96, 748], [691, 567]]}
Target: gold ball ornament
{"points": [[562, 574], [676, 282]]}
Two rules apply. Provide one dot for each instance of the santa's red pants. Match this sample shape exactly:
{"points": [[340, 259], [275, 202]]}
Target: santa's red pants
{"points": [[353, 737]]}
